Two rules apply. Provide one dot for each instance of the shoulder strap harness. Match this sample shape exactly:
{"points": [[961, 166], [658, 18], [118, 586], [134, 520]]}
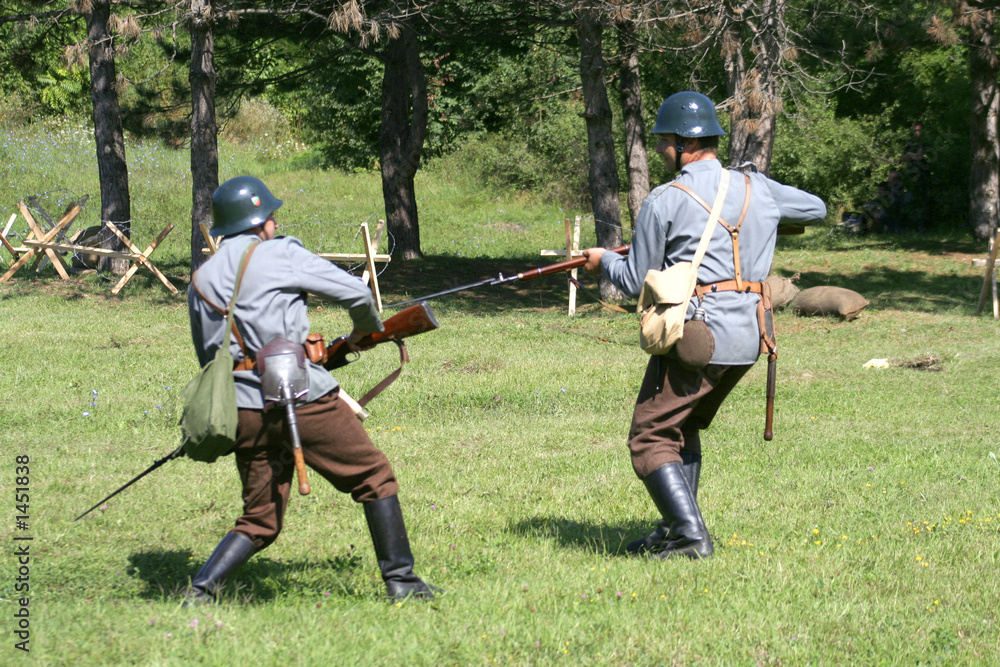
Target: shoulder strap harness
{"points": [[248, 362], [738, 284]]}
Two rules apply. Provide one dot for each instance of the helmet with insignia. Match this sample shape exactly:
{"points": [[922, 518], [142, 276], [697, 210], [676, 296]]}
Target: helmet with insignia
{"points": [[240, 204]]}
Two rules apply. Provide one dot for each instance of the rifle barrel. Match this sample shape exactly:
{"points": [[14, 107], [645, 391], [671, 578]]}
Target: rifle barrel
{"points": [[461, 288], [501, 279]]}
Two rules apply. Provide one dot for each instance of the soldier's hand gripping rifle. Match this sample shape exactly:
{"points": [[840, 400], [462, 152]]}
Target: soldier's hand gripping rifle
{"points": [[523, 275], [410, 322], [414, 320]]}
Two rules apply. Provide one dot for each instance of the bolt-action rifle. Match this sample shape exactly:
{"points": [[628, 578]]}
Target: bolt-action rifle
{"points": [[523, 275], [410, 322], [546, 271], [414, 320]]}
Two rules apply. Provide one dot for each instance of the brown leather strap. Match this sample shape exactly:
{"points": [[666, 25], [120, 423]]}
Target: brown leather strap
{"points": [[315, 349], [694, 195], [728, 286], [734, 232], [225, 311], [404, 357], [239, 340], [765, 320], [201, 295], [232, 304], [247, 364]]}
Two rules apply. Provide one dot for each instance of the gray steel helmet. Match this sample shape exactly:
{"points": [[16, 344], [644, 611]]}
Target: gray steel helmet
{"points": [[688, 114], [240, 204]]}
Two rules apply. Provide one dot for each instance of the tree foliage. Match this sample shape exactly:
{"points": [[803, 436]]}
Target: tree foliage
{"points": [[503, 82]]}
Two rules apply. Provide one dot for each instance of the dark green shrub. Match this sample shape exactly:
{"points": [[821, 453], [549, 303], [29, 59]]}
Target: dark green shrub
{"points": [[552, 159], [840, 159]]}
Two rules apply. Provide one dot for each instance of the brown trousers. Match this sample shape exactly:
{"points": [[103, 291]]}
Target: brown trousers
{"points": [[334, 444], [673, 405]]}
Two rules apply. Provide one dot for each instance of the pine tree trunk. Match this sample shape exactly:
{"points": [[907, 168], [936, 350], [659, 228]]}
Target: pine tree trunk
{"points": [[636, 158], [401, 140], [983, 178], [600, 140], [112, 168], [204, 131], [755, 90]]}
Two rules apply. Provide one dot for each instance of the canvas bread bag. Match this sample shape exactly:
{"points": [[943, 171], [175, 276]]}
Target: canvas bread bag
{"points": [[665, 294]]}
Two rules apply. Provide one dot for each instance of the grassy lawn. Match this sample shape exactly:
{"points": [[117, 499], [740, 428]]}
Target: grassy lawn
{"points": [[865, 533]]}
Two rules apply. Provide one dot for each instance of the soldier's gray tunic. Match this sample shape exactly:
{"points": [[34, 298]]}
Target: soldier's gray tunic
{"points": [[272, 303], [669, 228]]}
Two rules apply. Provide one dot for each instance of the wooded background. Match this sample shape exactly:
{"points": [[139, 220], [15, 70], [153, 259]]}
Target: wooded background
{"points": [[549, 95]]}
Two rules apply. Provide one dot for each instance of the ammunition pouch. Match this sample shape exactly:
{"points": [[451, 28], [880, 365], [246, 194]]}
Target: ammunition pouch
{"points": [[315, 348]]}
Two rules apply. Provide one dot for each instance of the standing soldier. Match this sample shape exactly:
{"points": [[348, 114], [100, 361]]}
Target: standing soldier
{"points": [[676, 401], [272, 303]]}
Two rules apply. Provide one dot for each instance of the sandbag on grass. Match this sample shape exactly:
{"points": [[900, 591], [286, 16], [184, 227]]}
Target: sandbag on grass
{"points": [[829, 300], [783, 291]]}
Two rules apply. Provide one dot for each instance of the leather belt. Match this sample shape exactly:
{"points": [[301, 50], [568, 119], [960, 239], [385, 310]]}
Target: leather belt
{"points": [[245, 365], [727, 286]]}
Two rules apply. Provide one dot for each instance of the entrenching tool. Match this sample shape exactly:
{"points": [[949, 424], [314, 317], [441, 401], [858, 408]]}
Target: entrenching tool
{"points": [[281, 365]]}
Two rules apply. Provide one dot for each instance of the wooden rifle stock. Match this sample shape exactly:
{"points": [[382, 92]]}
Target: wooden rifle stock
{"points": [[567, 265], [414, 320]]}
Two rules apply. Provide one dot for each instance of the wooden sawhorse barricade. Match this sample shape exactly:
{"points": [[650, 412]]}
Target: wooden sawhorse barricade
{"points": [[50, 244], [370, 256], [572, 251]]}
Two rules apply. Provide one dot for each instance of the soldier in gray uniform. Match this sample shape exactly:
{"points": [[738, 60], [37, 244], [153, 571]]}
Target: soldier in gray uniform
{"points": [[272, 302], [677, 401]]}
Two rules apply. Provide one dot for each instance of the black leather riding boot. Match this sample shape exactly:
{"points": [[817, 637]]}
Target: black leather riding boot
{"points": [[233, 551], [687, 536], [392, 549], [656, 540], [692, 470]]}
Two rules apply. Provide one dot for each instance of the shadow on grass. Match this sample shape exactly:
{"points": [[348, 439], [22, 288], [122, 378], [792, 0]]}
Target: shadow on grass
{"points": [[166, 574], [82, 284], [925, 278], [916, 291], [596, 538], [923, 281], [930, 244], [402, 281]]}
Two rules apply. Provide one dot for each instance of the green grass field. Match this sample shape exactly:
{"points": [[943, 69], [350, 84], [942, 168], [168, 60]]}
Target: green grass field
{"points": [[865, 533]]}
